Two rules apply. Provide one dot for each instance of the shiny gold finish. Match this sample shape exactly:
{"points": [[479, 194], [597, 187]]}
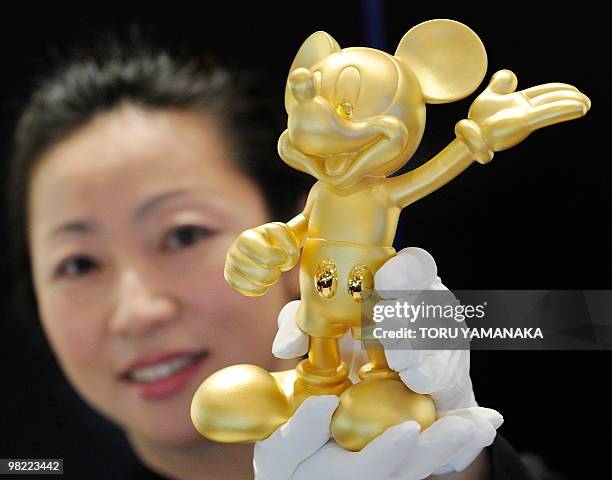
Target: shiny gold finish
{"points": [[471, 135], [377, 366], [360, 283], [336, 379], [218, 407], [324, 354], [370, 407], [355, 116], [332, 317], [296, 390], [326, 279], [245, 403], [345, 109], [447, 57], [324, 367]]}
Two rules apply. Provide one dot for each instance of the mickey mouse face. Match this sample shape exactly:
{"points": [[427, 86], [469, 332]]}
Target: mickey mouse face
{"points": [[359, 112]]}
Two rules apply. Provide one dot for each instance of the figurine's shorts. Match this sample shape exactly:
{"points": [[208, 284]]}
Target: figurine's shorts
{"points": [[336, 280]]}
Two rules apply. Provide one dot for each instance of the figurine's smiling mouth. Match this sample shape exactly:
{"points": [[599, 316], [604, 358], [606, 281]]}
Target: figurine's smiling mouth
{"points": [[336, 165]]}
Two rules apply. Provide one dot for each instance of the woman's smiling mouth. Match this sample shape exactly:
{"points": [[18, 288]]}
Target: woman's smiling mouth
{"points": [[163, 375]]}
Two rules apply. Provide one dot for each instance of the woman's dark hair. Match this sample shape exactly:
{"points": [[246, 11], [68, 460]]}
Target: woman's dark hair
{"points": [[101, 79]]}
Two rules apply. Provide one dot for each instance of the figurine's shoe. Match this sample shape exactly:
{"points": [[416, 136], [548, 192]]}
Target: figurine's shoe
{"points": [[368, 408], [245, 403], [241, 403]]}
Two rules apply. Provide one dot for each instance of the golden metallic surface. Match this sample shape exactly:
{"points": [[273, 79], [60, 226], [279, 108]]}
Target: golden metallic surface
{"points": [[355, 116], [333, 378], [324, 368], [331, 317], [471, 135], [326, 278], [360, 283], [296, 390], [324, 354], [450, 69], [345, 109], [245, 403], [368, 408], [370, 371], [241, 403], [377, 366]]}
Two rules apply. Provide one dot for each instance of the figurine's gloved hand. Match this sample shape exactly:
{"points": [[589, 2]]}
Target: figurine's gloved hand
{"points": [[258, 256], [505, 117], [301, 449]]}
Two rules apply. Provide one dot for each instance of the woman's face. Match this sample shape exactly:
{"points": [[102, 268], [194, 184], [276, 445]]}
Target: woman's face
{"points": [[130, 219]]}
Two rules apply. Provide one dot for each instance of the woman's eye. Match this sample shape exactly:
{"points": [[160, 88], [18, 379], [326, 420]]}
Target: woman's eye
{"points": [[184, 236], [76, 266]]}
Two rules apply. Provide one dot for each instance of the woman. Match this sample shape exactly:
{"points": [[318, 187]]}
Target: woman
{"points": [[133, 173]]}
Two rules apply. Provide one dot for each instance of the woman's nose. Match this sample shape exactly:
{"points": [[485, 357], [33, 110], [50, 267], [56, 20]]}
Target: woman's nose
{"points": [[141, 309], [302, 84]]}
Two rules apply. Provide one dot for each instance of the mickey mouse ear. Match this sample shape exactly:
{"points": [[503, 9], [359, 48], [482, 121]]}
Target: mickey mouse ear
{"points": [[316, 47], [447, 57]]}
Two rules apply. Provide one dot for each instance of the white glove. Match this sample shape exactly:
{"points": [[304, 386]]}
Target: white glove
{"points": [[463, 429], [443, 374], [301, 449]]}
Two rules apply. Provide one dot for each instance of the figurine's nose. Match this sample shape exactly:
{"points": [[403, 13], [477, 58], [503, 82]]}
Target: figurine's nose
{"points": [[302, 84]]}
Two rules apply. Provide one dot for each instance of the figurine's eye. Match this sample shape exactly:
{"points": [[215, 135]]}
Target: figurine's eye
{"points": [[345, 109]]}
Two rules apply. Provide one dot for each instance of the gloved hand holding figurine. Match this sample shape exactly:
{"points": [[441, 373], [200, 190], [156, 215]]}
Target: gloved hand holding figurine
{"points": [[449, 445]]}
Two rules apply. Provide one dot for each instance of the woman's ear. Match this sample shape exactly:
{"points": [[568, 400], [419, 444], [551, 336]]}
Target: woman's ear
{"points": [[316, 47], [447, 57]]}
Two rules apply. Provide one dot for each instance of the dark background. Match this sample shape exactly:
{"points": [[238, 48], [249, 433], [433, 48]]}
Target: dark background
{"points": [[537, 217]]}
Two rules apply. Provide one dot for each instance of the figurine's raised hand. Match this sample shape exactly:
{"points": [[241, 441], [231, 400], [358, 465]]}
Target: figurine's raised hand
{"points": [[259, 255], [507, 117]]}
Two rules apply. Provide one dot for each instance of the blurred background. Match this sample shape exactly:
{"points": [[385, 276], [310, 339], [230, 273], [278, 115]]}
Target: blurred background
{"points": [[537, 217]]}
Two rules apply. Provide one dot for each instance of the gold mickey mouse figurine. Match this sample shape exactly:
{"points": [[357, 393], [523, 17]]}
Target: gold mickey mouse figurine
{"points": [[355, 116]]}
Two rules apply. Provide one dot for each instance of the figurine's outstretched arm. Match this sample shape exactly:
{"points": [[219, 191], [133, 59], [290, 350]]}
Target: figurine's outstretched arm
{"points": [[498, 119], [446, 165]]}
